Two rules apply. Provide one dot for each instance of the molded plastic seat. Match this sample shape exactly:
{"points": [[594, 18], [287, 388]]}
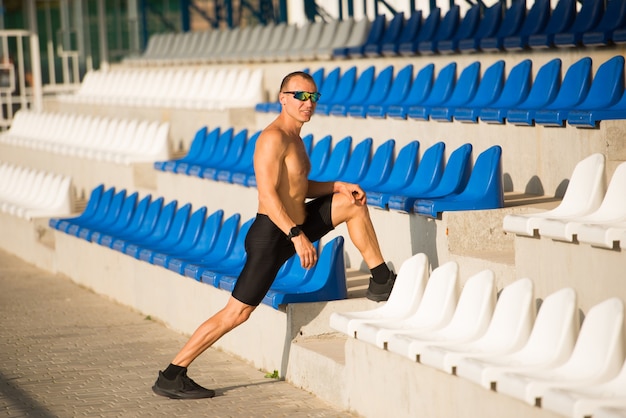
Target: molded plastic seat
{"points": [[420, 89], [345, 86], [611, 235], [72, 225], [488, 26], [491, 88], [403, 301], [379, 92], [549, 344], [194, 152], [587, 18], [380, 167], [374, 35], [469, 322], [433, 312], [307, 50], [441, 91], [389, 36], [606, 89], [328, 281], [581, 402], [484, 188], [359, 34], [337, 161], [584, 195], [592, 118], [507, 332], [141, 224], [334, 35], [289, 50], [466, 30], [598, 356], [463, 93], [573, 91], [426, 177], [319, 156], [402, 172], [244, 167], [425, 32], [399, 89], [535, 22], [409, 31], [543, 91], [153, 228], [612, 209], [358, 163], [362, 88], [445, 30], [561, 18], [610, 412], [233, 154], [512, 22], [218, 153], [453, 179], [103, 219], [614, 18]]}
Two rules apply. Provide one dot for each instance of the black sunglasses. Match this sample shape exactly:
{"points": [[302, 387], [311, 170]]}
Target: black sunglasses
{"points": [[303, 96]]}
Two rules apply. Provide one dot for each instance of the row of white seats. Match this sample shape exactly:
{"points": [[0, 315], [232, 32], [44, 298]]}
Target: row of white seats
{"points": [[29, 193], [186, 88], [121, 141], [545, 357], [258, 43], [590, 212]]}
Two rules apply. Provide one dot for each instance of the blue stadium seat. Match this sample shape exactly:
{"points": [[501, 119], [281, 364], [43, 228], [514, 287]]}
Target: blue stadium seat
{"points": [[275, 106], [331, 83], [452, 181], [128, 218], [561, 18], [484, 189], [535, 22], [107, 218], [390, 34], [232, 157], [426, 177], [402, 172], [420, 89], [380, 167], [445, 30], [573, 91], [141, 224], [223, 245], [166, 233], [218, 154], [244, 164], [344, 89], [197, 143], [511, 24], [320, 156], [516, 88], [210, 142], [591, 118], [444, 87], [525, 96], [358, 163], [399, 89], [74, 224], [151, 228], [361, 90], [426, 31], [619, 36], [232, 264], [328, 281], [177, 240], [378, 93], [463, 93], [489, 90], [466, 30], [204, 243], [488, 26], [614, 18], [587, 18], [91, 208], [409, 30], [374, 34], [606, 89], [337, 161]]}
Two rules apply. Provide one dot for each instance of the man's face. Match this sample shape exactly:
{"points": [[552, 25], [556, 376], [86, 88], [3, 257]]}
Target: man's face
{"points": [[297, 109]]}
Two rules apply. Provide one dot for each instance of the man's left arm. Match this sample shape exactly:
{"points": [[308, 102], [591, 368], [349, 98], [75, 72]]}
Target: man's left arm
{"points": [[352, 191]]}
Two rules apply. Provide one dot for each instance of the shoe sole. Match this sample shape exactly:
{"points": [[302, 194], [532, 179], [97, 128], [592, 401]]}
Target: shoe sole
{"points": [[174, 395], [382, 297]]}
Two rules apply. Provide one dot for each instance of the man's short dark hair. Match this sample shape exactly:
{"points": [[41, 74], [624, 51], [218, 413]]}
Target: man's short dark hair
{"points": [[289, 76]]}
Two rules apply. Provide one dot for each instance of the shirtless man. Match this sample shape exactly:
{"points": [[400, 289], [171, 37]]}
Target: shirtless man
{"points": [[285, 225]]}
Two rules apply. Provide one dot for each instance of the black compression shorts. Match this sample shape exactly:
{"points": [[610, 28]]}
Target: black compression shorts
{"points": [[267, 249]]}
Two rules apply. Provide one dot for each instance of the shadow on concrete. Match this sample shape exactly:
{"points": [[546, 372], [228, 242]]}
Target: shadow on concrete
{"points": [[20, 401]]}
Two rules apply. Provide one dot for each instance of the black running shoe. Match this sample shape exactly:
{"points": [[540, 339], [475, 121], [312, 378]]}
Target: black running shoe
{"points": [[380, 292], [183, 387]]}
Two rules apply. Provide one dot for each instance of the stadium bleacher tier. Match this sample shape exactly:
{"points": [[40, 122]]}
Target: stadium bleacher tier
{"points": [[504, 217]]}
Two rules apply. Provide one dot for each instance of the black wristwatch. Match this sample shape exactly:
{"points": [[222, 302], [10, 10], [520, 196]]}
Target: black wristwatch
{"points": [[294, 232]]}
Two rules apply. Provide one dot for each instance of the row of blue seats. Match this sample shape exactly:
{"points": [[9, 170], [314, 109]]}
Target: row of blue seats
{"points": [[205, 247], [406, 183], [495, 28], [580, 98]]}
